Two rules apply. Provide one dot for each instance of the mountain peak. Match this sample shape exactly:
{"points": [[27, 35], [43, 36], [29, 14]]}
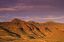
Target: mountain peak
{"points": [[50, 22], [16, 20]]}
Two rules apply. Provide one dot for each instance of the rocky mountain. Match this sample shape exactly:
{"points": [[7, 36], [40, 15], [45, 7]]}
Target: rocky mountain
{"points": [[21, 31]]}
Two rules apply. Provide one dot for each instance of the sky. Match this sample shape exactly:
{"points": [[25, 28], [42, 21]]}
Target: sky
{"points": [[35, 10]]}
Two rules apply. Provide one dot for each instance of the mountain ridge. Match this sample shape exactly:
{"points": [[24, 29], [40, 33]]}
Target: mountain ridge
{"points": [[23, 30]]}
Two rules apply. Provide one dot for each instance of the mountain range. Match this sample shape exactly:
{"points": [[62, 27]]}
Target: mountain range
{"points": [[21, 31]]}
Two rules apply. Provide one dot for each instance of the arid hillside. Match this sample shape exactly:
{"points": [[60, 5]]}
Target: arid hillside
{"points": [[21, 31]]}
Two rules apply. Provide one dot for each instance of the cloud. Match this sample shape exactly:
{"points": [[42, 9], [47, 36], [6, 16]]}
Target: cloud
{"points": [[2, 16], [36, 18], [23, 7], [7, 9], [53, 18], [45, 19], [30, 6], [27, 5], [17, 8], [34, 8]]}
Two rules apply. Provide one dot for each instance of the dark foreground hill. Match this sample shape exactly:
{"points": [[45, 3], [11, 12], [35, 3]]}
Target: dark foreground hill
{"points": [[21, 31]]}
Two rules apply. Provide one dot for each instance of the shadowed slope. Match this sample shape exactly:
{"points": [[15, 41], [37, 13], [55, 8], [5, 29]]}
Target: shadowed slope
{"points": [[49, 31], [10, 32]]}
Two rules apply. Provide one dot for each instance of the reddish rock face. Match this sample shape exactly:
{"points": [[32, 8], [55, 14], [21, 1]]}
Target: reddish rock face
{"points": [[18, 30]]}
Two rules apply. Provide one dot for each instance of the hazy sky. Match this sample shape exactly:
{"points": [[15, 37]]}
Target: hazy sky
{"points": [[36, 10]]}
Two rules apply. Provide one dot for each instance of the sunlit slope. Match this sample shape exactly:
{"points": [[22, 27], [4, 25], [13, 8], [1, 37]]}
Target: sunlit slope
{"points": [[18, 30]]}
